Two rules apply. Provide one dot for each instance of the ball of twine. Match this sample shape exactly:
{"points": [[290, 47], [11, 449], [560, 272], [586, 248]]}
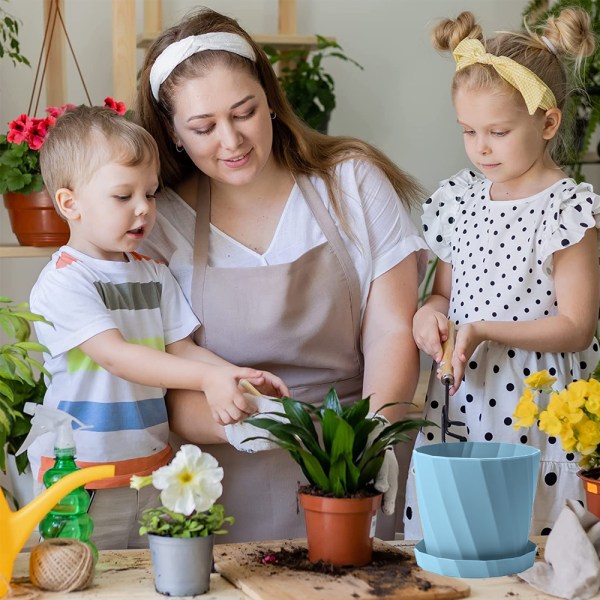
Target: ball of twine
{"points": [[61, 565]]}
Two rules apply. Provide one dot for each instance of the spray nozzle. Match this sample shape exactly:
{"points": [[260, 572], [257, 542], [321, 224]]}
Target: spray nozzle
{"points": [[46, 419]]}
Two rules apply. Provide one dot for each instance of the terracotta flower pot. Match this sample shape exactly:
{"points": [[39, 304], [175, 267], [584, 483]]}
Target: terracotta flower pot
{"points": [[591, 485], [34, 219], [340, 530]]}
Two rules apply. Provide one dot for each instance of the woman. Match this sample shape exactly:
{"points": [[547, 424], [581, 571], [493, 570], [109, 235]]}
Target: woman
{"points": [[295, 249]]}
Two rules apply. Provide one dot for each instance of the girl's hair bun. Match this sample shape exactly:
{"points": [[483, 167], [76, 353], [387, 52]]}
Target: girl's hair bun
{"points": [[448, 33]]}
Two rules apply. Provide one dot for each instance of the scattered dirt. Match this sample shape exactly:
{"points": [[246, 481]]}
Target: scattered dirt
{"points": [[390, 569]]}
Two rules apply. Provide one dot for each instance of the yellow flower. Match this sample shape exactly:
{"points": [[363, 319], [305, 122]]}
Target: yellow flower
{"points": [[540, 380], [571, 414], [588, 436], [592, 404], [559, 405], [567, 438], [526, 410], [550, 423], [594, 387], [576, 393]]}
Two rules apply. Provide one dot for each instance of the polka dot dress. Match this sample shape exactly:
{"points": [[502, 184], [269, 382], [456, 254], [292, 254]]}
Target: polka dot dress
{"points": [[502, 260]]}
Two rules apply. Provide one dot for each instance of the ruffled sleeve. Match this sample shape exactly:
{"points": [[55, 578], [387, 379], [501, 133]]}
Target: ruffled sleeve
{"points": [[440, 210], [570, 214]]}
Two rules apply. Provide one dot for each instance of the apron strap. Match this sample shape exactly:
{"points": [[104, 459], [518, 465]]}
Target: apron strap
{"points": [[200, 254], [329, 228]]}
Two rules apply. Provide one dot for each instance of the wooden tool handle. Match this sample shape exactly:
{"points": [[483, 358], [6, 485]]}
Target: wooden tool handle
{"points": [[249, 388], [448, 348]]}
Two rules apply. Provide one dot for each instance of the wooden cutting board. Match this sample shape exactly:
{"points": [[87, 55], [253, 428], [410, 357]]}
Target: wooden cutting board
{"points": [[394, 575]]}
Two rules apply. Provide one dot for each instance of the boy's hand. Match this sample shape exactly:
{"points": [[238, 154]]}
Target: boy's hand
{"points": [[430, 329], [225, 398]]}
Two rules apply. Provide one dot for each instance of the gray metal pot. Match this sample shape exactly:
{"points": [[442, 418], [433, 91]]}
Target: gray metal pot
{"points": [[182, 566]]}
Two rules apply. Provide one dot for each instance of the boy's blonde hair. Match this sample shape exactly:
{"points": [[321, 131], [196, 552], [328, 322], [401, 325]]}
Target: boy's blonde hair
{"points": [[84, 139], [554, 53]]}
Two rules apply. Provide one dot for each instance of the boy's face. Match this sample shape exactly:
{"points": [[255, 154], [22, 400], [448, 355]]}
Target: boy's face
{"points": [[114, 211]]}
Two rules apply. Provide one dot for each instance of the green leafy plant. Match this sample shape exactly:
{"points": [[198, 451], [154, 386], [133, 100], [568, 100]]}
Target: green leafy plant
{"points": [[9, 39], [190, 485], [168, 523], [21, 378], [339, 457], [583, 107], [309, 88]]}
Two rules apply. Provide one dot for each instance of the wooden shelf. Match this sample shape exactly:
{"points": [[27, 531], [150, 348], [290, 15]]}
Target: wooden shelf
{"points": [[277, 40], [14, 251]]}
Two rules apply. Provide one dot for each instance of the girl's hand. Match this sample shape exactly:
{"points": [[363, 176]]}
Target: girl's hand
{"points": [[269, 385], [430, 329], [467, 340]]}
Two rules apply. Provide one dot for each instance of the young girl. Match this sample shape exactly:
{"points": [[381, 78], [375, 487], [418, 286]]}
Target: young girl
{"points": [[517, 243]]}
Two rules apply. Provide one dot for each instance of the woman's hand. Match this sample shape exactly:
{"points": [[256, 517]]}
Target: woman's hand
{"points": [[269, 385]]}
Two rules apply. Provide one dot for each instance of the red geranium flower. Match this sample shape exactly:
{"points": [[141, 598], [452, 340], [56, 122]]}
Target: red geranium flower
{"points": [[17, 130], [56, 111], [19, 148], [37, 133], [118, 107]]}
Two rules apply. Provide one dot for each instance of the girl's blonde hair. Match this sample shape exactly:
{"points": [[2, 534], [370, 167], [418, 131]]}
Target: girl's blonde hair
{"points": [[557, 61], [296, 146], [87, 137]]}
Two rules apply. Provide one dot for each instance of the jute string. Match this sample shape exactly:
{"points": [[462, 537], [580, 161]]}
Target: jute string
{"points": [[61, 565]]}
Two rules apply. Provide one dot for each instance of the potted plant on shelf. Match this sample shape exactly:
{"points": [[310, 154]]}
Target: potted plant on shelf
{"points": [[341, 458], [584, 105], [308, 87], [21, 381], [571, 415], [33, 217], [181, 531]]}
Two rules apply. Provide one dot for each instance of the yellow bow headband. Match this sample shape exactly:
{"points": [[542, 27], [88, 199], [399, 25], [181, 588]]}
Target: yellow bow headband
{"points": [[534, 91]]}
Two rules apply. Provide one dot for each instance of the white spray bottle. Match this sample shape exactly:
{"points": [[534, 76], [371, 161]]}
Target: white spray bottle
{"points": [[69, 518]]}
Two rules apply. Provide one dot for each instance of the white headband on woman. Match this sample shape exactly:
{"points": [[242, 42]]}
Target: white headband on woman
{"points": [[177, 52]]}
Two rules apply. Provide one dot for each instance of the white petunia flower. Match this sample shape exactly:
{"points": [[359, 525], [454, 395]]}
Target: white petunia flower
{"points": [[191, 481]]}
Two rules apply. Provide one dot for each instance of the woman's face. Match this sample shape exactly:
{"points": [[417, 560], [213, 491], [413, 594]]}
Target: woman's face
{"points": [[223, 121]]}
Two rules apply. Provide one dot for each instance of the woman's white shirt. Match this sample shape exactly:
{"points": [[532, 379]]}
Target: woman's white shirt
{"points": [[383, 230]]}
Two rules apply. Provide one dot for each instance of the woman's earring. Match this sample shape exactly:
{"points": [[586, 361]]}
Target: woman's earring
{"points": [[273, 115], [178, 148]]}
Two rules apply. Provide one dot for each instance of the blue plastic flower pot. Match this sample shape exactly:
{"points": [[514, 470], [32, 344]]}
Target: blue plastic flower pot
{"points": [[476, 498]]}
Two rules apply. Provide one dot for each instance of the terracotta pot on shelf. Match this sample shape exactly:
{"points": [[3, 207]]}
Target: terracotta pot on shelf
{"points": [[34, 219], [591, 485], [340, 530]]}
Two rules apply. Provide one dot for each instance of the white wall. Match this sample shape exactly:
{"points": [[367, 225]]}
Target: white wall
{"points": [[400, 102]]}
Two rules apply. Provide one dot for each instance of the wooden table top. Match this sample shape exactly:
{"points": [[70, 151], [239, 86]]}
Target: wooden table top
{"points": [[128, 574]]}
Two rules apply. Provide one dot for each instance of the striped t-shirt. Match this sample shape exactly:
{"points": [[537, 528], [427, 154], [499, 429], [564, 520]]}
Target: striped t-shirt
{"points": [[82, 297]]}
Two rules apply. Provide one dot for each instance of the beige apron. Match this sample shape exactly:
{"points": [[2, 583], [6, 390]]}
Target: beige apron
{"points": [[299, 320]]}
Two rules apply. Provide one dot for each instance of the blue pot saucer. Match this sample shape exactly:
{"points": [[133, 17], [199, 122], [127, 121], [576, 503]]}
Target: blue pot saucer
{"points": [[475, 568]]}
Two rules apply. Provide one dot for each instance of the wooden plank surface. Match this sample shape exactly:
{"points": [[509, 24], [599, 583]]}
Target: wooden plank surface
{"points": [[395, 576]]}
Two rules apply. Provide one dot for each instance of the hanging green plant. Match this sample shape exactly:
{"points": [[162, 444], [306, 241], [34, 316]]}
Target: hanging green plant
{"points": [[9, 38]]}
